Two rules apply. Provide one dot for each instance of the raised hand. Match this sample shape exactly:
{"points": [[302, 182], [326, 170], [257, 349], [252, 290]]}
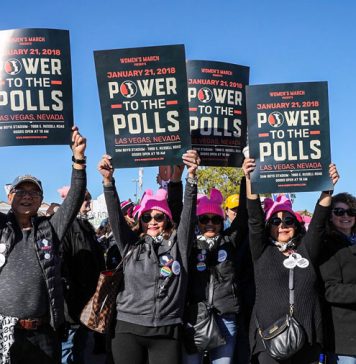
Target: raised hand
{"points": [[105, 168], [192, 160]]}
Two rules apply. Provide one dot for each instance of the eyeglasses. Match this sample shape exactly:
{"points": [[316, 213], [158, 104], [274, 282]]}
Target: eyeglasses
{"points": [[146, 218], [204, 219], [339, 211], [23, 193], [288, 221]]}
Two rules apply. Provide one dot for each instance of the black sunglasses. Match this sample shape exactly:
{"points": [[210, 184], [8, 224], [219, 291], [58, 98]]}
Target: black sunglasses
{"points": [[288, 221], [339, 211], [146, 218], [204, 219]]}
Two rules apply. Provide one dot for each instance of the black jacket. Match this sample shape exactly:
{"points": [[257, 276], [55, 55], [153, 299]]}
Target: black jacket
{"points": [[139, 301], [52, 231], [227, 262], [339, 275], [82, 261]]}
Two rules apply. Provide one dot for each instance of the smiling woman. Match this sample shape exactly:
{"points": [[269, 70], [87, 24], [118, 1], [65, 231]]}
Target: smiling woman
{"points": [[150, 303], [285, 258], [338, 271]]}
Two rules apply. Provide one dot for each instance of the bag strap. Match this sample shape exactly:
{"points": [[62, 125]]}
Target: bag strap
{"points": [[211, 290], [291, 291], [124, 260]]}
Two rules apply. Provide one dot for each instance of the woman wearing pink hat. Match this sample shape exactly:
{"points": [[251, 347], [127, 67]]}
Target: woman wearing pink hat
{"points": [[151, 301], [280, 250], [216, 265]]}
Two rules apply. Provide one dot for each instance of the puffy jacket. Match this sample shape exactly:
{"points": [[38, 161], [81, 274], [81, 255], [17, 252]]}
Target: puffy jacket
{"points": [[51, 230]]}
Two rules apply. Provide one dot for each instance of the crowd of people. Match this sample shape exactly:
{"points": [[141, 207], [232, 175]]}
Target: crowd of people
{"points": [[245, 262]]}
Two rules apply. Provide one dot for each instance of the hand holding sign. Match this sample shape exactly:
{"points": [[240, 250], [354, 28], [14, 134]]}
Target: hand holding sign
{"points": [[333, 173], [192, 160], [105, 169], [79, 144], [248, 167]]}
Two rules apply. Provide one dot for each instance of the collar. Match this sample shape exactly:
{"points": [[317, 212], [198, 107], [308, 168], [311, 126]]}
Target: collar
{"points": [[291, 245], [352, 239]]}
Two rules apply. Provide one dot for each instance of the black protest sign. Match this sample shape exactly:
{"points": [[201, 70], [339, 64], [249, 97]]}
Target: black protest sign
{"points": [[217, 111], [35, 87], [144, 104], [288, 129]]}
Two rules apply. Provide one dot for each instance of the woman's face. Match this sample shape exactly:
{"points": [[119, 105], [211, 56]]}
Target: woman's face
{"points": [[343, 223], [210, 225], [282, 226], [153, 222]]}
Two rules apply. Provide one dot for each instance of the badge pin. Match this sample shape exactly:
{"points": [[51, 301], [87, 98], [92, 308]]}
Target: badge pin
{"points": [[290, 263], [2, 260], [302, 263], [166, 260], [201, 257], [203, 251], [222, 255], [176, 267], [165, 272], [201, 266], [47, 256], [2, 248]]}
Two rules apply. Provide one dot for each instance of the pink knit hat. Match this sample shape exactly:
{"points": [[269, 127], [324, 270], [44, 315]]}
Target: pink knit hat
{"points": [[281, 204], [212, 205], [63, 191], [156, 201]]}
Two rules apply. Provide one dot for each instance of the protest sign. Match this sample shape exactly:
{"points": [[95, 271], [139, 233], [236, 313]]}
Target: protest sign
{"points": [[288, 132], [217, 109], [35, 87], [144, 104]]}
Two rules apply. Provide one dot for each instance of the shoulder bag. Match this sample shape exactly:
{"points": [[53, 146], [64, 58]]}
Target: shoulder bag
{"points": [[98, 312], [205, 334], [286, 336]]}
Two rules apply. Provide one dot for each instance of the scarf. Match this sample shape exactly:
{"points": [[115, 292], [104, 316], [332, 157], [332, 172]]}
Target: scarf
{"points": [[7, 332], [291, 245], [207, 243], [352, 239]]}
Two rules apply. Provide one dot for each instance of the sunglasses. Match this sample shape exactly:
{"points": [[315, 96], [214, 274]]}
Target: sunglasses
{"points": [[288, 221], [339, 211], [146, 218], [22, 193], [204, 219]]}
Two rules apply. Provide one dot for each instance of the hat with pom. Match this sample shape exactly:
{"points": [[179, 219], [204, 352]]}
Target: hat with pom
{"points": [[156, 201], [282, 203], [211, 205]]}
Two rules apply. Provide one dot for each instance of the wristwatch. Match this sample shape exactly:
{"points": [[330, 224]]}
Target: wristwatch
{"points": [[79, 161]]}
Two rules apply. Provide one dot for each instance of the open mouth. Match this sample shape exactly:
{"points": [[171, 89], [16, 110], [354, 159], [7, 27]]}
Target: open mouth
{"points": [[26, 204]]}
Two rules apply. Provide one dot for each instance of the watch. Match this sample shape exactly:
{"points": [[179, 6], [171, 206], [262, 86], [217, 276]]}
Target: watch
{"points": [[79, 161]]}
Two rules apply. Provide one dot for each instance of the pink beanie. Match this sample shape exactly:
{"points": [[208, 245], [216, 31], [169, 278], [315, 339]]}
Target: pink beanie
{"points": [[63, 191], [156, 201], [212, 205], [281, 204]]}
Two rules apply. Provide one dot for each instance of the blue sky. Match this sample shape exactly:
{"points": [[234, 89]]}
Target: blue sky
{"points": [[281, 41]]}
